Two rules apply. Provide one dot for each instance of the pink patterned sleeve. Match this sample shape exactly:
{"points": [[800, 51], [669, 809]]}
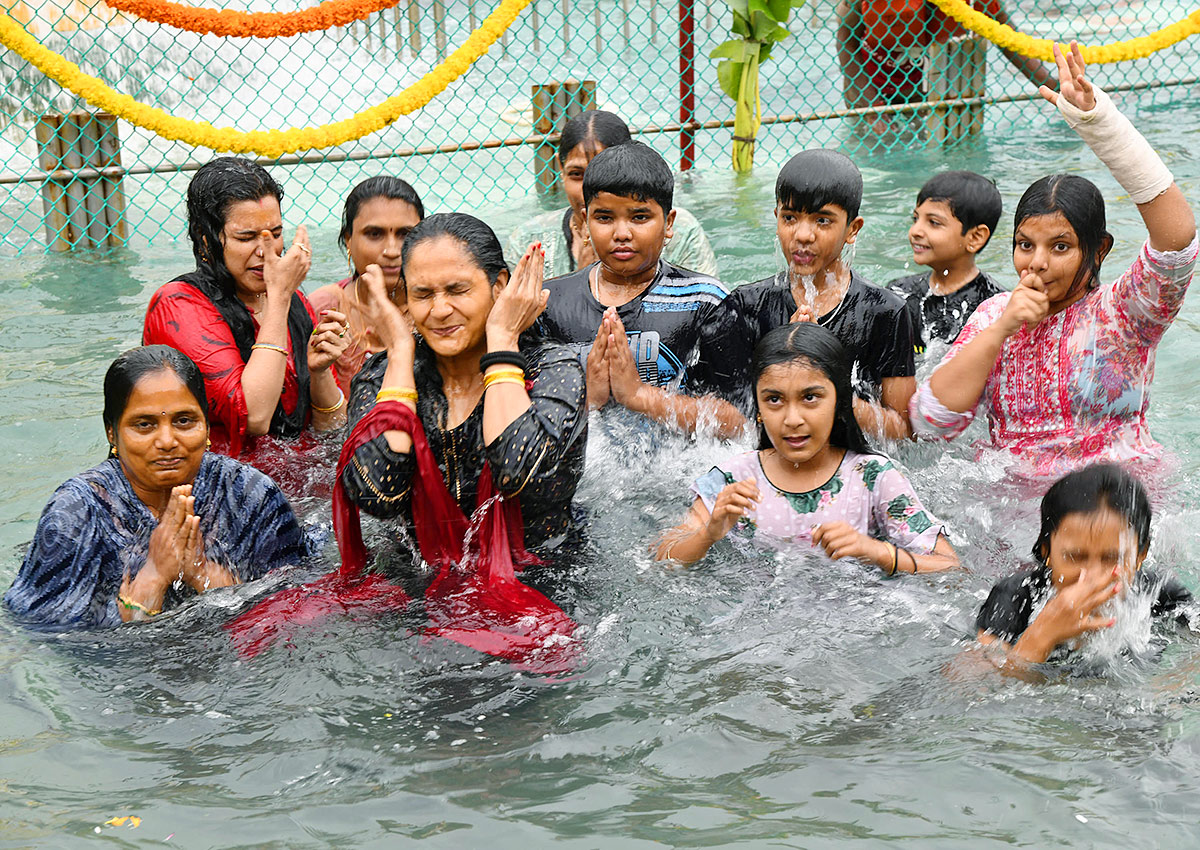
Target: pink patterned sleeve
{"points": [[1147, 298], [932, 420]]}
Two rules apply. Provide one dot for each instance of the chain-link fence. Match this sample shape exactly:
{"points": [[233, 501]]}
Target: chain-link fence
{"points": [[73, 181]]}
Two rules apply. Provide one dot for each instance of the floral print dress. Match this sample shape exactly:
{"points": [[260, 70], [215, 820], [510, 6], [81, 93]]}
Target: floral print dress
{"points": [[868, 492], [1074, 389]]}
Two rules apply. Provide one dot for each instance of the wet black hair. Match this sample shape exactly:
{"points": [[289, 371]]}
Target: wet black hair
{"points": [[216, 186], [1101, 485], [477, 238], [381, 186], [595, 129], [136, 363], [809, 343], [812, 179], [1082, 205], [632, 170], [973, 199]]}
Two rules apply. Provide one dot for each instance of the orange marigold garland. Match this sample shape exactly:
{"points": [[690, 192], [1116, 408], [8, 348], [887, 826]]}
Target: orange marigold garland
{"points": [[235, 24]]}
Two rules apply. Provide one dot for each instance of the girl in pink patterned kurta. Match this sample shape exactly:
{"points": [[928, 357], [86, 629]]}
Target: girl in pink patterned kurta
{"points": [[813, 483], [1063, 363]]}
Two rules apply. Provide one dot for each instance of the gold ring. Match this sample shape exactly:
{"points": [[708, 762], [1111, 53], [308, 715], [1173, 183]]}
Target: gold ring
{"points": [[342, 334], [305, 249]]}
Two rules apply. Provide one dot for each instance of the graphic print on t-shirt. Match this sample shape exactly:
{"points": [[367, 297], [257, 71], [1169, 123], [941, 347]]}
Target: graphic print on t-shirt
{"points": [[657, 365]]}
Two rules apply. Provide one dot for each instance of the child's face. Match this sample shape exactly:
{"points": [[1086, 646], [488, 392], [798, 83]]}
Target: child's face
{"points": [[572, 173], [797, 404], [628, 234], [1047, 246], [812, 241], [1099, 540], [936, 236]]}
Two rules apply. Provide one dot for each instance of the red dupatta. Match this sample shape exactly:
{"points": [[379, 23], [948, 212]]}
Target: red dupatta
{"points": [[474, 599]]}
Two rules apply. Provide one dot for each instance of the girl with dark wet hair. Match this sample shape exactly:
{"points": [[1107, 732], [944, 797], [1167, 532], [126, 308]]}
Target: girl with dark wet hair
{"points": [[813, 483], [264, 353], [158, 521], [1062, 365], [563, 233], [379, 213], [1094, 537]]}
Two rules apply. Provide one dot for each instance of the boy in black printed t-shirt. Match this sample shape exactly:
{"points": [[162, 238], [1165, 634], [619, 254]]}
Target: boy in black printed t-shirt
{"points": [[641, 325]]}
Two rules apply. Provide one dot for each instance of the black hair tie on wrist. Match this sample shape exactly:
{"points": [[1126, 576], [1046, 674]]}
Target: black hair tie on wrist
{"points": [[508, 358]]}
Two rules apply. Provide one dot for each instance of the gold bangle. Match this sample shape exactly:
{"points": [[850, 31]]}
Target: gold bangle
{"points": [[511, 371], [341, 400], [269, 347], [131, 605], [504, 376], [396, 394], [504, 380]]}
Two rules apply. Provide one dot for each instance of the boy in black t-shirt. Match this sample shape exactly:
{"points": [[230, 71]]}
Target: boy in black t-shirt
{"points": [[817, 198], [955, 216], [641, 323]]}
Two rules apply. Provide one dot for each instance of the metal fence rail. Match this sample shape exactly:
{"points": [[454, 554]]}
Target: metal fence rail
{"points": [[477, 144]]}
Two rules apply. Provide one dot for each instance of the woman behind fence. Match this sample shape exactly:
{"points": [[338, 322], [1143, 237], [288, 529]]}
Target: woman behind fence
{"points": [[562, 233]]}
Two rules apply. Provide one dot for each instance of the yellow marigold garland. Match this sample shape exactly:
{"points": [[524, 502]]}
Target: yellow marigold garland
{"points": [[268, 143], [229, 22], [1042, 48]]}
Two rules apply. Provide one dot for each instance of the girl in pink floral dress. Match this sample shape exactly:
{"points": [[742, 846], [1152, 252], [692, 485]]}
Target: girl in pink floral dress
{"points": [[1062, 365], [813, 483]]}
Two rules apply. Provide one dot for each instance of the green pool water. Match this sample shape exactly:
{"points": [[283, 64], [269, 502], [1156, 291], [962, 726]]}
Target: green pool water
{"points": [[770, 703]]}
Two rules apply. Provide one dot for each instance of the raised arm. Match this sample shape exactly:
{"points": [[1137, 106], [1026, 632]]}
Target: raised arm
{"points": [[1113, 138]]}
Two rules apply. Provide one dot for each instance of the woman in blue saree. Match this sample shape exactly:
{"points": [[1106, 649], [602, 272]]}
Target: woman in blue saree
{"points": [[161, 519]]}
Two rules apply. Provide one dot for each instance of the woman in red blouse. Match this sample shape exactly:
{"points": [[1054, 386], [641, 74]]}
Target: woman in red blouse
{"points": [[242, 318]]}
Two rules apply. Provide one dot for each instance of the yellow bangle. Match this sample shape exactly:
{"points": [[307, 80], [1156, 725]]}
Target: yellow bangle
{"points": [[396, 394], [504, 380], [269, 347], [504, 376], [129, 604], [341, 400]]}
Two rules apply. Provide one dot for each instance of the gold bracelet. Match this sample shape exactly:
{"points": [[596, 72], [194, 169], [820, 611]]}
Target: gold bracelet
{"points": [[341, 400], [131, 605], [396, 394], [504, 376], [504, 380], [269, 347]]}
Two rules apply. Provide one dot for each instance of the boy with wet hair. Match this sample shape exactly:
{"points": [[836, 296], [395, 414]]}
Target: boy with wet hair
{"points": [[641, 325], [817, 199], [955, 216]]}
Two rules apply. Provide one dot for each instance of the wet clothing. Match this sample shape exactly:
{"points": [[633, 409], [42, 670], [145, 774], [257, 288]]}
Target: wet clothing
{"points": [[539, 456], [184, 315], [688, 248], [95, 529], [669, 325], [1009, 608], [873, 324], [867, 491], [1074, 389], [941, 316], [363, 342]]}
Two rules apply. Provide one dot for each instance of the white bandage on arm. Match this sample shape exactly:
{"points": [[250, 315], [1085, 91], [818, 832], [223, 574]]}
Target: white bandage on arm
{"points": [[1113, 138]]}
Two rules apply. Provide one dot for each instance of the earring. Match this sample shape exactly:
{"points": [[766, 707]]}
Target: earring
{"points": [[758, 419], [112, 450], [207, 443], [350, 263]]}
